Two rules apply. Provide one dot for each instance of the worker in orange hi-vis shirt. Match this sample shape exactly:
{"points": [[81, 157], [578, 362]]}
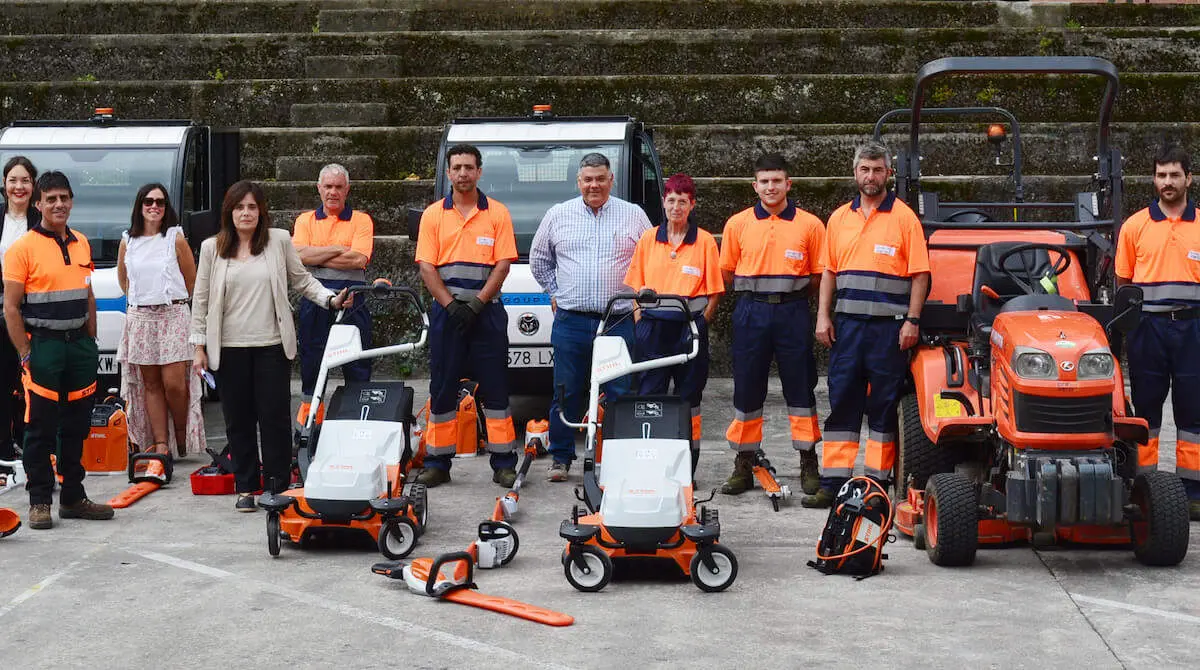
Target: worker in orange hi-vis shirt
{"points": [[1159, 250], [770, 254], [677, 258], [877, 268]]}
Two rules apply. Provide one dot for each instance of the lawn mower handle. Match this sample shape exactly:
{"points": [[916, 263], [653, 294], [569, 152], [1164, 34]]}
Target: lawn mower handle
{"points": [[382, 289]]}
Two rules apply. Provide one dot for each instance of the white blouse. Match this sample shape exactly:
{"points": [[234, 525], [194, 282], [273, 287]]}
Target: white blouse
{"points": [[13, 228], [153, 269]]}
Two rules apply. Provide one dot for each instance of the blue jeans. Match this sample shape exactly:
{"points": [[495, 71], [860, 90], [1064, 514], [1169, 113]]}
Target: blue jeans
{"points": [[572, 341]]}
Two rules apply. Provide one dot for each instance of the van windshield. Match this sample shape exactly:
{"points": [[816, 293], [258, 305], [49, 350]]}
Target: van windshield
{"points": [[104, 182], [531, 178]]}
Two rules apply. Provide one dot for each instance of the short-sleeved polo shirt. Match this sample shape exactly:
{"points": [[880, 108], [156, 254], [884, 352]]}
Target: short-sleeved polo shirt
{"points": [[1162, 255], [772, 253], [350, 228], [464, 250], [57, 275], [875, 258], [692, 270]]}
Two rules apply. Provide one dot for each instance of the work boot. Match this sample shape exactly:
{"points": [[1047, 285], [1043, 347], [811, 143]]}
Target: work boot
{"points": [[742, 479], [505, 477], [810, 472], [822, 499], [432, 477], [1193, 510], [85, 509], [39, 517], [557, 472]]}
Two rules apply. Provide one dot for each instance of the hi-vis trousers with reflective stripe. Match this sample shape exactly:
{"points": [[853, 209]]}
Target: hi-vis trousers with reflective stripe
{"points": [[1164, 355], [60, 389], [480, 354], [658, 338], [866, 351], [783, 331]]}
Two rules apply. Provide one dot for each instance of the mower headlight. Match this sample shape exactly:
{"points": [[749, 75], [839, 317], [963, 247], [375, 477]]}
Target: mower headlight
{"points": [[1096, 365], [1033, 364]]}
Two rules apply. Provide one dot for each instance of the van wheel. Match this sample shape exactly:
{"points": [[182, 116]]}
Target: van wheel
{"points": [[1161, 537], [951, 520], [918, 458]]}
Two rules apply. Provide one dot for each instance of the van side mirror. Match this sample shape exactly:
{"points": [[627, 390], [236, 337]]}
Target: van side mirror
{"points": [[414, 222], [1127, 309]]}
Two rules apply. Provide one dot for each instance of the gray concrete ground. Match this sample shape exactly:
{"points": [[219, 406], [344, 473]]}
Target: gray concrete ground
{"points": [[182, 581]]}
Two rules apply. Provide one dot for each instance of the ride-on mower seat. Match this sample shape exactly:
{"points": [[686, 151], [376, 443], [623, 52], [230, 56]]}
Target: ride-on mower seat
{"points": [[1029, 264]]}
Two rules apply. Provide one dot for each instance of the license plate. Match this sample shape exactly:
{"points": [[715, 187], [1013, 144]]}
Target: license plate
{"points": [[108, 364], [531, 357]]}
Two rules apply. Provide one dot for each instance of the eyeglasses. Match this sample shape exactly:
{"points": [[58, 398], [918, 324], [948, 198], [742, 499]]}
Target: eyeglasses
{"points": [[154, 202]]}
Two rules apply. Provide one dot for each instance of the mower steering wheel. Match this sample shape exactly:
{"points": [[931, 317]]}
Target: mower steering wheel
{"points": [[1031, 287]]}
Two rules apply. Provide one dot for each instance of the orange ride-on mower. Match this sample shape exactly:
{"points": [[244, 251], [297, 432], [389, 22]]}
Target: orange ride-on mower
{"points": [[1017, 427], [355, 463], [639, 500]]}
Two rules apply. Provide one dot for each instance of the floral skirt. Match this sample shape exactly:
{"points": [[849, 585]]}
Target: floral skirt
{"points": [[158, 335]]}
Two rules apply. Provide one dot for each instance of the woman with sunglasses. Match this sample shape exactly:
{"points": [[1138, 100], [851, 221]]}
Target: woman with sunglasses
{"points": [[157, 271], [19, 217]]}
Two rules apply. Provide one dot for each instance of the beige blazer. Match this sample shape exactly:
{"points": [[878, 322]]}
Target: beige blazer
{"points": [[208, 299]]}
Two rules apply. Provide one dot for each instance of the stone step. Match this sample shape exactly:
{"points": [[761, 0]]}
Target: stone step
{"points": [[388, 201], [300, 168], [727, 150], [572, 53], [674, 99], [71, 17]]}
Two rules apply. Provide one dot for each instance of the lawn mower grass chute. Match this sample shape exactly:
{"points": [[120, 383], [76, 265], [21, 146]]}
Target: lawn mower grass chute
{"points": [[1017, 426]]}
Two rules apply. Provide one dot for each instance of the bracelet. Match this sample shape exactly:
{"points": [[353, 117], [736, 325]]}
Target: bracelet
{"points": [[25, 358]]}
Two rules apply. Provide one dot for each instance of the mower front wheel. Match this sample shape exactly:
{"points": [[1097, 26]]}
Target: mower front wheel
{"points": [[1161, 537], [594, 574], [951, 520], [397, 538], [273, 533], [713, 568]]}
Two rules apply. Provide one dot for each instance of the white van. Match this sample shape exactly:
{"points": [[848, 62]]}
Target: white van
{"points": [[529, 164]]}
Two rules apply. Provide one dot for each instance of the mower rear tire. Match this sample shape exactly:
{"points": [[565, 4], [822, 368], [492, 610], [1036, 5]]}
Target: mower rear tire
{"points": [[718, 578], [597, 575], [917, 458], [951, 520], [1161, 537], [273, 533], [419, 495], [397, 538], [918, 537]]}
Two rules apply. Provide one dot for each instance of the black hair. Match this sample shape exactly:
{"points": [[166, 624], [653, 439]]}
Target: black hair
{"points": [[770, 163], [463, 150], [137, 220], [48, 181], [1173, 153]]}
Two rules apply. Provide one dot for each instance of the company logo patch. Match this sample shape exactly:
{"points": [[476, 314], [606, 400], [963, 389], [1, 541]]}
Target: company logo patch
{"points": [[792, 254], [885, 250], [692, 270], [1067, 366], [485, 241], [1194, 255]]}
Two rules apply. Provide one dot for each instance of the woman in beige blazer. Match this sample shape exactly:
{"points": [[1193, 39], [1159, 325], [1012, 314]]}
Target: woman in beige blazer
{"points": [[242, 329]]}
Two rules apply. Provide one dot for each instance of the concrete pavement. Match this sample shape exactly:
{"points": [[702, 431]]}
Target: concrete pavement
{"points": [[183, 581]]}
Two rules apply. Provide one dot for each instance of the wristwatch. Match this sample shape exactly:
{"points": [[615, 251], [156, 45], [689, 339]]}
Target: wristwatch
{"points": [[914, 320]]}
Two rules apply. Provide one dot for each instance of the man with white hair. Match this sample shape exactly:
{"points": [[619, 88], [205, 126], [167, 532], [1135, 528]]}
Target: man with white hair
{"points": [[335, 244]]}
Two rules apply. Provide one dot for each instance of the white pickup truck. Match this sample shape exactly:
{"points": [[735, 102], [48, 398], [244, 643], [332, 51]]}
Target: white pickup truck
{"points": [[107, 161], [529, 164]]}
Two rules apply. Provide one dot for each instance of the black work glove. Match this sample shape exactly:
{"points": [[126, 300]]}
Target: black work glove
{"points": [[460, 315], [476, 305]]}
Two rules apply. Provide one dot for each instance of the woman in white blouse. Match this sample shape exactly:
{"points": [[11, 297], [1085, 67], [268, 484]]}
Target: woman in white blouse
{"points": [[156, 271], [19, 216], [242, 328]]}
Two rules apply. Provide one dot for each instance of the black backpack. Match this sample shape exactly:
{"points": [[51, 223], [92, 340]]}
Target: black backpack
{"points": [[859, 525]]}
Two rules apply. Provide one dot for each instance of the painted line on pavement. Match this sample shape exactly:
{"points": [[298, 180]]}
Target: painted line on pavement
{"points": [[36, 589], [1139, 609], [353, 612]]}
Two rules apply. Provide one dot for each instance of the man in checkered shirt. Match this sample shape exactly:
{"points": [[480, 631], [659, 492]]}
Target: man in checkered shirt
{"points": [[579, 257]]}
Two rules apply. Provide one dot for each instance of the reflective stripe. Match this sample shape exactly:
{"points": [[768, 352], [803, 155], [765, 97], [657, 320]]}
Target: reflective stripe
{"points": [[872, 294], [841, 436], [839, 473], [1148, 454], [801, 411], [321, 272], [881, 475], [464, 280], [804, 428], [57, 296], [770, 283], [745, 431], [1188, 436], [1185, 473], [1168, 296], [881, 437]]}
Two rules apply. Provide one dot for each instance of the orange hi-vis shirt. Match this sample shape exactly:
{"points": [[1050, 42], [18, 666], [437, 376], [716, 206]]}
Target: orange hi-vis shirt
{"points": [[57, 275], [464, 251], [772, 253], [874, 259], [1162, 255], [692, 270], [349, 228]]}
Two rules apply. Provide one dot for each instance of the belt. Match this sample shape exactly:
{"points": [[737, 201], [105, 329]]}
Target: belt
{"points": [[64, 335], [871, 317], [181, 301], [1185, 314], [776, 298]]}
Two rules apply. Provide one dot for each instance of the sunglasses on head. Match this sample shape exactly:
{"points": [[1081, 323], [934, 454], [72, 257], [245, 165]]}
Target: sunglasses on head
{"points": [[154, 202]]}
